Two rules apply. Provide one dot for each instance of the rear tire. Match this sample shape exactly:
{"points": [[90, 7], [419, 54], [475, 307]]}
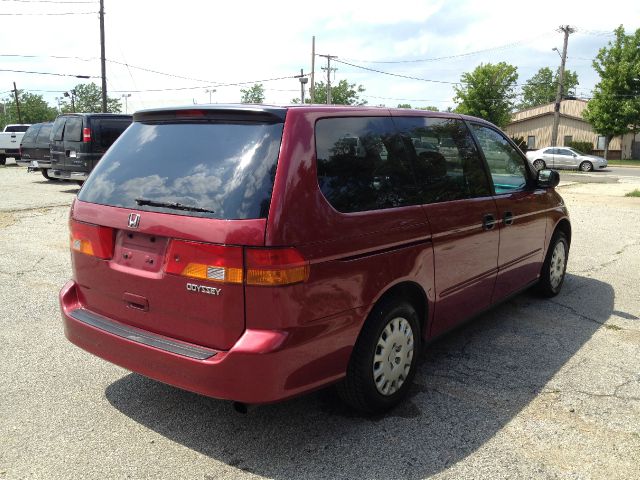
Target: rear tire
{"points": [[586, 166], [554, 266], [3, 159], [384, 358], [539, 164], [45, 174]]}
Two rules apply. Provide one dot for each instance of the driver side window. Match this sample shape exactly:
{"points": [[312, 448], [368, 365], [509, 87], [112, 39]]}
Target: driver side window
{"points": [[507, 167]]}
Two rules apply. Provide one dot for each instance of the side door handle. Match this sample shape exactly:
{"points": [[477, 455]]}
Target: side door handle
{"points": [[488, 222], [508, 218]]}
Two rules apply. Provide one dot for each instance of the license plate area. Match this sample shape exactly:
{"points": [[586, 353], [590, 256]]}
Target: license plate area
{"points": [[140, 251]]}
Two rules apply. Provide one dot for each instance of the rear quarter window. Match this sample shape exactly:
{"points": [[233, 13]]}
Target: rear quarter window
{"points": [[105, 131], [30, 135], [43, 134], [73, 129]]}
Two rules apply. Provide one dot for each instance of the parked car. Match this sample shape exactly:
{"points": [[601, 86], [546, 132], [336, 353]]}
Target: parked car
{"points": [[564, 157], [255, 253], [34, 148], [10, 141], [79, 140]]}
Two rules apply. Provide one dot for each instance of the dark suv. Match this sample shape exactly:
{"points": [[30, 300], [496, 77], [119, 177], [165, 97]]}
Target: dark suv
{"points": [[79, 140], [34, 148], [254, 253]]}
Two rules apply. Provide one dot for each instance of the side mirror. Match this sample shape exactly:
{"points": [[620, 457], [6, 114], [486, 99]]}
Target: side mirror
{"points": [[547, 178]]}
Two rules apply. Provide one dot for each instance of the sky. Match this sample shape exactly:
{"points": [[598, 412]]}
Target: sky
{"points": [[170, 53]]}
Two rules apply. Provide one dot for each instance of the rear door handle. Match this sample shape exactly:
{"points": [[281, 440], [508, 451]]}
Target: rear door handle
{"points": [[488, 222], [508, 218]]}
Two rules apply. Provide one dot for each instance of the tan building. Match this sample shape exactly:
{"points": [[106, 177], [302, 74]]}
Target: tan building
{"points": [[535, 125]]}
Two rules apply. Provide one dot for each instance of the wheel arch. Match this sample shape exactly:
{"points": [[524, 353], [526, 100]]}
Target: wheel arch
{"points": [[563, 226], [414, 294]]}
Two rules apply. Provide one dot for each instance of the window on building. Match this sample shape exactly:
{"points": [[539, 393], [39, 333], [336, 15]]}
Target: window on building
{"points": [[602, 141], [531, 142], [567, 140]]}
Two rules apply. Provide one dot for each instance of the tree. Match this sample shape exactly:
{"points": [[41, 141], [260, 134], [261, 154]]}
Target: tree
{"points": [[33, 109], [87, 98], [429, 107], [253, 94], [488, 92], [615, 106], [404, 105], [543, 86], [344, 93]]}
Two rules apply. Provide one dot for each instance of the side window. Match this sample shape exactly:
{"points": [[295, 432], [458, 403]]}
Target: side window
{"points": [[507, 167], [73, 129], [564, 151], [58, 128], [446, 162], [362, 165]]}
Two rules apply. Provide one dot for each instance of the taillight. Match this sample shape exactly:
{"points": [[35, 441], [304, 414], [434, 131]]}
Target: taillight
{"points": [[86, 135], [217, 263], [94, 240], [275, 266]]}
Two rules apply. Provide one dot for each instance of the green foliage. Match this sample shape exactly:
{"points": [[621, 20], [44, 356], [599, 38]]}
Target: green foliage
{"points": [[254, 94], [542, 87], [521, 142], [33, 109], [488, 92], [87, 98], [344, 93], [429, 107], [584, 147], [404, 105], [615, 106], [634, 193]]}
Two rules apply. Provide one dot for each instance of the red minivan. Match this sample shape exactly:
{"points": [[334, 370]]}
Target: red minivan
{"points": [[254, 253]]}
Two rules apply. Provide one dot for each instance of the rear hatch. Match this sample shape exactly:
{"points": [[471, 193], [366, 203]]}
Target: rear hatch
{"points": [[160, 229]]}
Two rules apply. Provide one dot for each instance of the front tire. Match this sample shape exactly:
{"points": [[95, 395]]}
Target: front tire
{"points": [[554, 266], [384, 358], [45, 174], [586, 166]]}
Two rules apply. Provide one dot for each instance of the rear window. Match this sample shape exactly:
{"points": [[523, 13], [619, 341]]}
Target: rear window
{"points": [[16, 128], [73, 129], [44, 133], [30, 135], [227, 168]]}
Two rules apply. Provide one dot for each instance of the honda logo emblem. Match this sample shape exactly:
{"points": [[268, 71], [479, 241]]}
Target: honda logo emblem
{"points": [[134, 220]]}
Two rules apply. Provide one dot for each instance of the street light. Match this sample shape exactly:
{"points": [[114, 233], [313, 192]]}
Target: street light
{"points": [[71, 94], [557, 51], [210, 91], [126, 104], [58, 100]]}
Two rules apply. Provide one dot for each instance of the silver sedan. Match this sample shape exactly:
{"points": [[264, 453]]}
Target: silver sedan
{"points": [[564, 157]]}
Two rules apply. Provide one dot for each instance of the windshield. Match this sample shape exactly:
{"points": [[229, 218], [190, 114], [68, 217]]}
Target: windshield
{"points": [[215, 169]]}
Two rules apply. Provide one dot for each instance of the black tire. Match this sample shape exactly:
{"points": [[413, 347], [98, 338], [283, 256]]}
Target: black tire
{"points": [[539, 164], [80, 182], [548, 285], [3, 159], [45, 174], [586, 166], [359, 389]]}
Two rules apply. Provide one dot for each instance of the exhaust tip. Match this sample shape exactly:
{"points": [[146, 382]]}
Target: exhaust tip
{"points": [[240, 407]]}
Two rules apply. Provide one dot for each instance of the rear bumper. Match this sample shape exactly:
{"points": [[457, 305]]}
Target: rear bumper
{"points": [[263, 366], [68, 174]]}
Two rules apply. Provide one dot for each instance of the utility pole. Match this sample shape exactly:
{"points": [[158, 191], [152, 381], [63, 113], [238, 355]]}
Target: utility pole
{"points": [[103, 63], [556, 111], [15, 92], [312, 89], [328, 57]]}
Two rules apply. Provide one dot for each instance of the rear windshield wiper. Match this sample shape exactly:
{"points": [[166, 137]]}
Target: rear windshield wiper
{"points": [[172, 205]]}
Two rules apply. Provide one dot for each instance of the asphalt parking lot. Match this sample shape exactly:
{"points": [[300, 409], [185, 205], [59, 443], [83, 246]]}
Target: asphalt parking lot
{"points": [[533, 389]]}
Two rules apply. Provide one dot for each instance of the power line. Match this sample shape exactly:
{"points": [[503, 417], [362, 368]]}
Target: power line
{"points": [[45, 14], [467, 54], [45, 1], [395, 74], [48, 73]]}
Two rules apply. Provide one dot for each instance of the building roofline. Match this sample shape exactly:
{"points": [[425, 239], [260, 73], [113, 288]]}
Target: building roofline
{"points": [[544, 114], [551, 103]]}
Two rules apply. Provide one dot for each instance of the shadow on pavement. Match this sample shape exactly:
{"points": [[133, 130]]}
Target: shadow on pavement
{"points": [[469, 386]]}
